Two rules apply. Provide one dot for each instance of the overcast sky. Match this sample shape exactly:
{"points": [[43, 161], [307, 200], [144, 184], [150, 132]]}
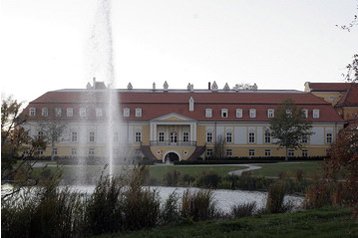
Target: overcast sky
{"points": [[275, 44]]}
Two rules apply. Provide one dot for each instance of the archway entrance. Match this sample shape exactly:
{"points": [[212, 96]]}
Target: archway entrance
{"points": [[171, 157]]}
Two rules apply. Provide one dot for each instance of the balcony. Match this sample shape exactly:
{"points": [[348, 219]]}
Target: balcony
{"points": [[172, 143]]}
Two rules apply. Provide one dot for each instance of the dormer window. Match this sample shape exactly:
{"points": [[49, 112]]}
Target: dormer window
{"points": [[191, 104], [32, 111], [224, 113], [138, 112], [126, 112], [238, 113], [270, 113], [83, 112], [99, 112], [44, 112], [315, 113], [69, 112], [252, 113], [305, 113], [58, 112], [208, 113]]}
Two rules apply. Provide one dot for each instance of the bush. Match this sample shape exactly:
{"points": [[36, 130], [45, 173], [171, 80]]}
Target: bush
{"points": [[209, 180], [243, 210], [198, 205], [275, 198], [170, 212], [319, 195], [171, 178]]}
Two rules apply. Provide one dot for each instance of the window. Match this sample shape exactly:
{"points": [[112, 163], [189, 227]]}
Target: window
{"points": [[315, 113], [224, 113], [32, 111], [291, 153], [173, 137], [126, 112], [186, 136], [208, 113], [304, 153], [267, 153], [91, 152], [44, 112], [228, 137], [54, 151], [305, 113], [209, 153], [99, 112], [267, 136], [251, 137], [209, 137], [138, 112], [329, 138], [238, 113], [74, 136], [73, 151], [138, 136], [251, 152], [271, 113], [91, 136], [40, 152], [58, 112], [252, 113], [161, 137], [304, 139], [83, 112], [228, 152], [40, 135], [69, 112]]}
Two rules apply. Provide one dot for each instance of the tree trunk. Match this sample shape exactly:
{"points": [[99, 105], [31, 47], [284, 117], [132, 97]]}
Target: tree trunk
{"points": [[286, 158]]}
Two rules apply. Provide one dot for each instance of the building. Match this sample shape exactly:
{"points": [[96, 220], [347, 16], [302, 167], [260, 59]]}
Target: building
{"points": [[343, 96], [179, 124]]}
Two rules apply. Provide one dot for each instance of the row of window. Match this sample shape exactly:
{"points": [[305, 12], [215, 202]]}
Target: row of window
{"points": [[267, 137], [252, 153], [82, 112], [239, 112]]}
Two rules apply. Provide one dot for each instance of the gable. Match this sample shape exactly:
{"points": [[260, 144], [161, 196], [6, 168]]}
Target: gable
{"points": [[173, 117]]}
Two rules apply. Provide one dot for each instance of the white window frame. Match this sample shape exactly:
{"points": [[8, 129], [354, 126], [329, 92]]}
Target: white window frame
{"points": [[58, 112], [138, 112], [54, 151], [92, 136], [83, 112], [161, 136], [32, 111], [329, 138], [138, 137], [73, 151], [209, 137], [267, 137], [268, 152], [126, 112], [208, 113], [69, 112], [74, 136], [304, 153], [239, 113], [270, 113], [291, 153], [209, 153], [91, 151], [224, 113], [251, 135], [252, 113], [228, 137], [251, 152], [228, 152], [185, 136], [99, 112], [315, 113], [44, 112]]}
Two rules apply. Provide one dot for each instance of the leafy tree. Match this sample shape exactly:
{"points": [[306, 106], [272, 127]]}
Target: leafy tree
{"points": [[15, 140], [52, 132], [289, 126]]}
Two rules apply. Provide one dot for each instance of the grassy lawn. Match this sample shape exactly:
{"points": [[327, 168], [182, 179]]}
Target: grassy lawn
{"points": [[310, 169], [312, 223], [158, 172]]}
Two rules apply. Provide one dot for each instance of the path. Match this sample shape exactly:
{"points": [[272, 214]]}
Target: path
{"points": [[250, 167]]}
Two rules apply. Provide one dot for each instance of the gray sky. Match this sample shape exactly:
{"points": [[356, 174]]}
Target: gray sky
{"points": [[276, 44]]}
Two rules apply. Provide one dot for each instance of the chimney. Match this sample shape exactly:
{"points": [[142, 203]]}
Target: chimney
{"points": [[209, 86]]}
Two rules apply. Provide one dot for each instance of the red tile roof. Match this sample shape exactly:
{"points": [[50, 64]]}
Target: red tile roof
{"points": [[156, 104], [328, 87], [350, 98]]}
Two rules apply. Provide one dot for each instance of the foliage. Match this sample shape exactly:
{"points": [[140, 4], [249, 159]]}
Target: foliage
{"points": [[198, 205], [171, 178], [209, 180], [219, 148], [170, 213], [352, 70], [243, 210], [52, 132], [289, 126], [275, 198]]}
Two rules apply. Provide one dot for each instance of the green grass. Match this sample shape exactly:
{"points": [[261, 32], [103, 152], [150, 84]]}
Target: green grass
{"points": [[158, 172], [312, 223], [310, 168]]}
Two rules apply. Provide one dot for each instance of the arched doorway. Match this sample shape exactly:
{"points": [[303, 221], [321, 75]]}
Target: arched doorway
{"points": [[171, 157]]}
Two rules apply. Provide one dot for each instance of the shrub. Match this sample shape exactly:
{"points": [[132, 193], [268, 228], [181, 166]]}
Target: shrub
{"points": [[275, 198], [319, 195], [170, 212], [198, 205], [209, 180], [171, 178], [188, 179], [243, 210]]}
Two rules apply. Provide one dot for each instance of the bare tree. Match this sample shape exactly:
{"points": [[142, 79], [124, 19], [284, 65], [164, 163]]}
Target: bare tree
{"points": [[52, 132]]}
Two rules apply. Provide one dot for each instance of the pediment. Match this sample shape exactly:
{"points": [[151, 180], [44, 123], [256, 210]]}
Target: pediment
{"points": [[173, 117]]}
